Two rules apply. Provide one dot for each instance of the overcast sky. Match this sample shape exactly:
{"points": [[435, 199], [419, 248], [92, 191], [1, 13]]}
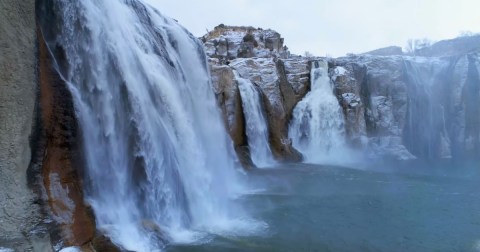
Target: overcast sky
{"points": [[333, 27]]}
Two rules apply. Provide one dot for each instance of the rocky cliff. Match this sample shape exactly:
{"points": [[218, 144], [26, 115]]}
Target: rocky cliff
{"points": [[259, 56], [19, 213], [41, 194], [411, 107], [395, 106]]}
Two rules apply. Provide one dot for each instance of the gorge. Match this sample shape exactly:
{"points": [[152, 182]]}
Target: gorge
{"points": [[121, 131]]}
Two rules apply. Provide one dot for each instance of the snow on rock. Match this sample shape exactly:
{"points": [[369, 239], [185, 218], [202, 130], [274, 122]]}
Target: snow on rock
{"points": [[70, 249], [394, 105], [298, 75], [230, 42]]}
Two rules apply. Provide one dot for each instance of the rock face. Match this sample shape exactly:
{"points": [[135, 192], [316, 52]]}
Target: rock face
{"points": [[395, 106], [259, 56], [411, 107], [231, 42], [39, 164], [229, 100], [60, 156], [19, 213]]}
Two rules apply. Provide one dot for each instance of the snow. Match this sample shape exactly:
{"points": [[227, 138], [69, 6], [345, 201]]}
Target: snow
{"points": [[70, 249], [340, 70]]}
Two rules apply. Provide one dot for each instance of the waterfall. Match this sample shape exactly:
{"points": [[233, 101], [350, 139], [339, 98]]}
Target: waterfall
{"points": [[317, 127], [425, 133], [256, 125], [158, 159]]}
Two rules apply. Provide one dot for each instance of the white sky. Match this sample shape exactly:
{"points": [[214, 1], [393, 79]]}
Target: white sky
{"points": [[333, 27]]}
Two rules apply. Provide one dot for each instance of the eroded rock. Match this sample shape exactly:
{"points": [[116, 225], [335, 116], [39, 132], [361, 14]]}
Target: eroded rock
{"points": [[231, 42], [60, 156]]}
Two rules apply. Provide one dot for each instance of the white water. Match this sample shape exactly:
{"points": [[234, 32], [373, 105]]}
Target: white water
{"points": [[158, 156], [317, 127], [256, 125]]}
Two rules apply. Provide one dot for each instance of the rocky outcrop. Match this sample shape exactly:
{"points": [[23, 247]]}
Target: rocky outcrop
{"points": [[19, 211], [347, 80], [231, 42], [259, 56]]}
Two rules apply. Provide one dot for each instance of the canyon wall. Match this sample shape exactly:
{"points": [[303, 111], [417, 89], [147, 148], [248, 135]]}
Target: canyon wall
{"points": [[19, 213], [395, 106]]}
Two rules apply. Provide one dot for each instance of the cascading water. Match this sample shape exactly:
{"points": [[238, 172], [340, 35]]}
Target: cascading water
{"points": [[157, 154], [256, 125], [425, 133], [317, 127]]}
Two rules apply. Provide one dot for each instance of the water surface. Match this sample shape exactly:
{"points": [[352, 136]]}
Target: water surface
{"points": [[430, 207]]}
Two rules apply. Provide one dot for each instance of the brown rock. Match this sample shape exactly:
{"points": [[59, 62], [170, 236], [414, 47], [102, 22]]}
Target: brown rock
{"points": [[229, 100], [61, 163], [278, 97]]}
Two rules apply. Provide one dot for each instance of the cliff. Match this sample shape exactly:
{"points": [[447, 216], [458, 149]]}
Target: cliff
{"points": [[395, 106], [259, 56], [41, 194], [19, 213]]}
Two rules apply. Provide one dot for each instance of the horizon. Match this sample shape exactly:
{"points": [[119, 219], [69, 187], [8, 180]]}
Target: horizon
{"points": [[363, 27]]}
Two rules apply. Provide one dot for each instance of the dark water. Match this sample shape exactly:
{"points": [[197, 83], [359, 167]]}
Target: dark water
{"points": [[412, 207]]}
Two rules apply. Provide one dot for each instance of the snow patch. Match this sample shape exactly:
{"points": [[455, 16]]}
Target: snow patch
{"points": [[340, 70], [70, 249]]}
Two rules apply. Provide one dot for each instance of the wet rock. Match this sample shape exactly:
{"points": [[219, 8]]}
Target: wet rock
{"points": [[59, 156], [298, 75], [101, 243], [347, 81], [278, 99], [229, 100]]}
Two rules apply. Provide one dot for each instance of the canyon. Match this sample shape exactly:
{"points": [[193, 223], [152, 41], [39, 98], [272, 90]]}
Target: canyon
{"points": [[78, 121]]}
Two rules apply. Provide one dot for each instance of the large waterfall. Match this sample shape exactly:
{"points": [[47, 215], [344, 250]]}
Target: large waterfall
{"points": [[159, 161], [256, 124], [425, 133], [317, 127]]}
